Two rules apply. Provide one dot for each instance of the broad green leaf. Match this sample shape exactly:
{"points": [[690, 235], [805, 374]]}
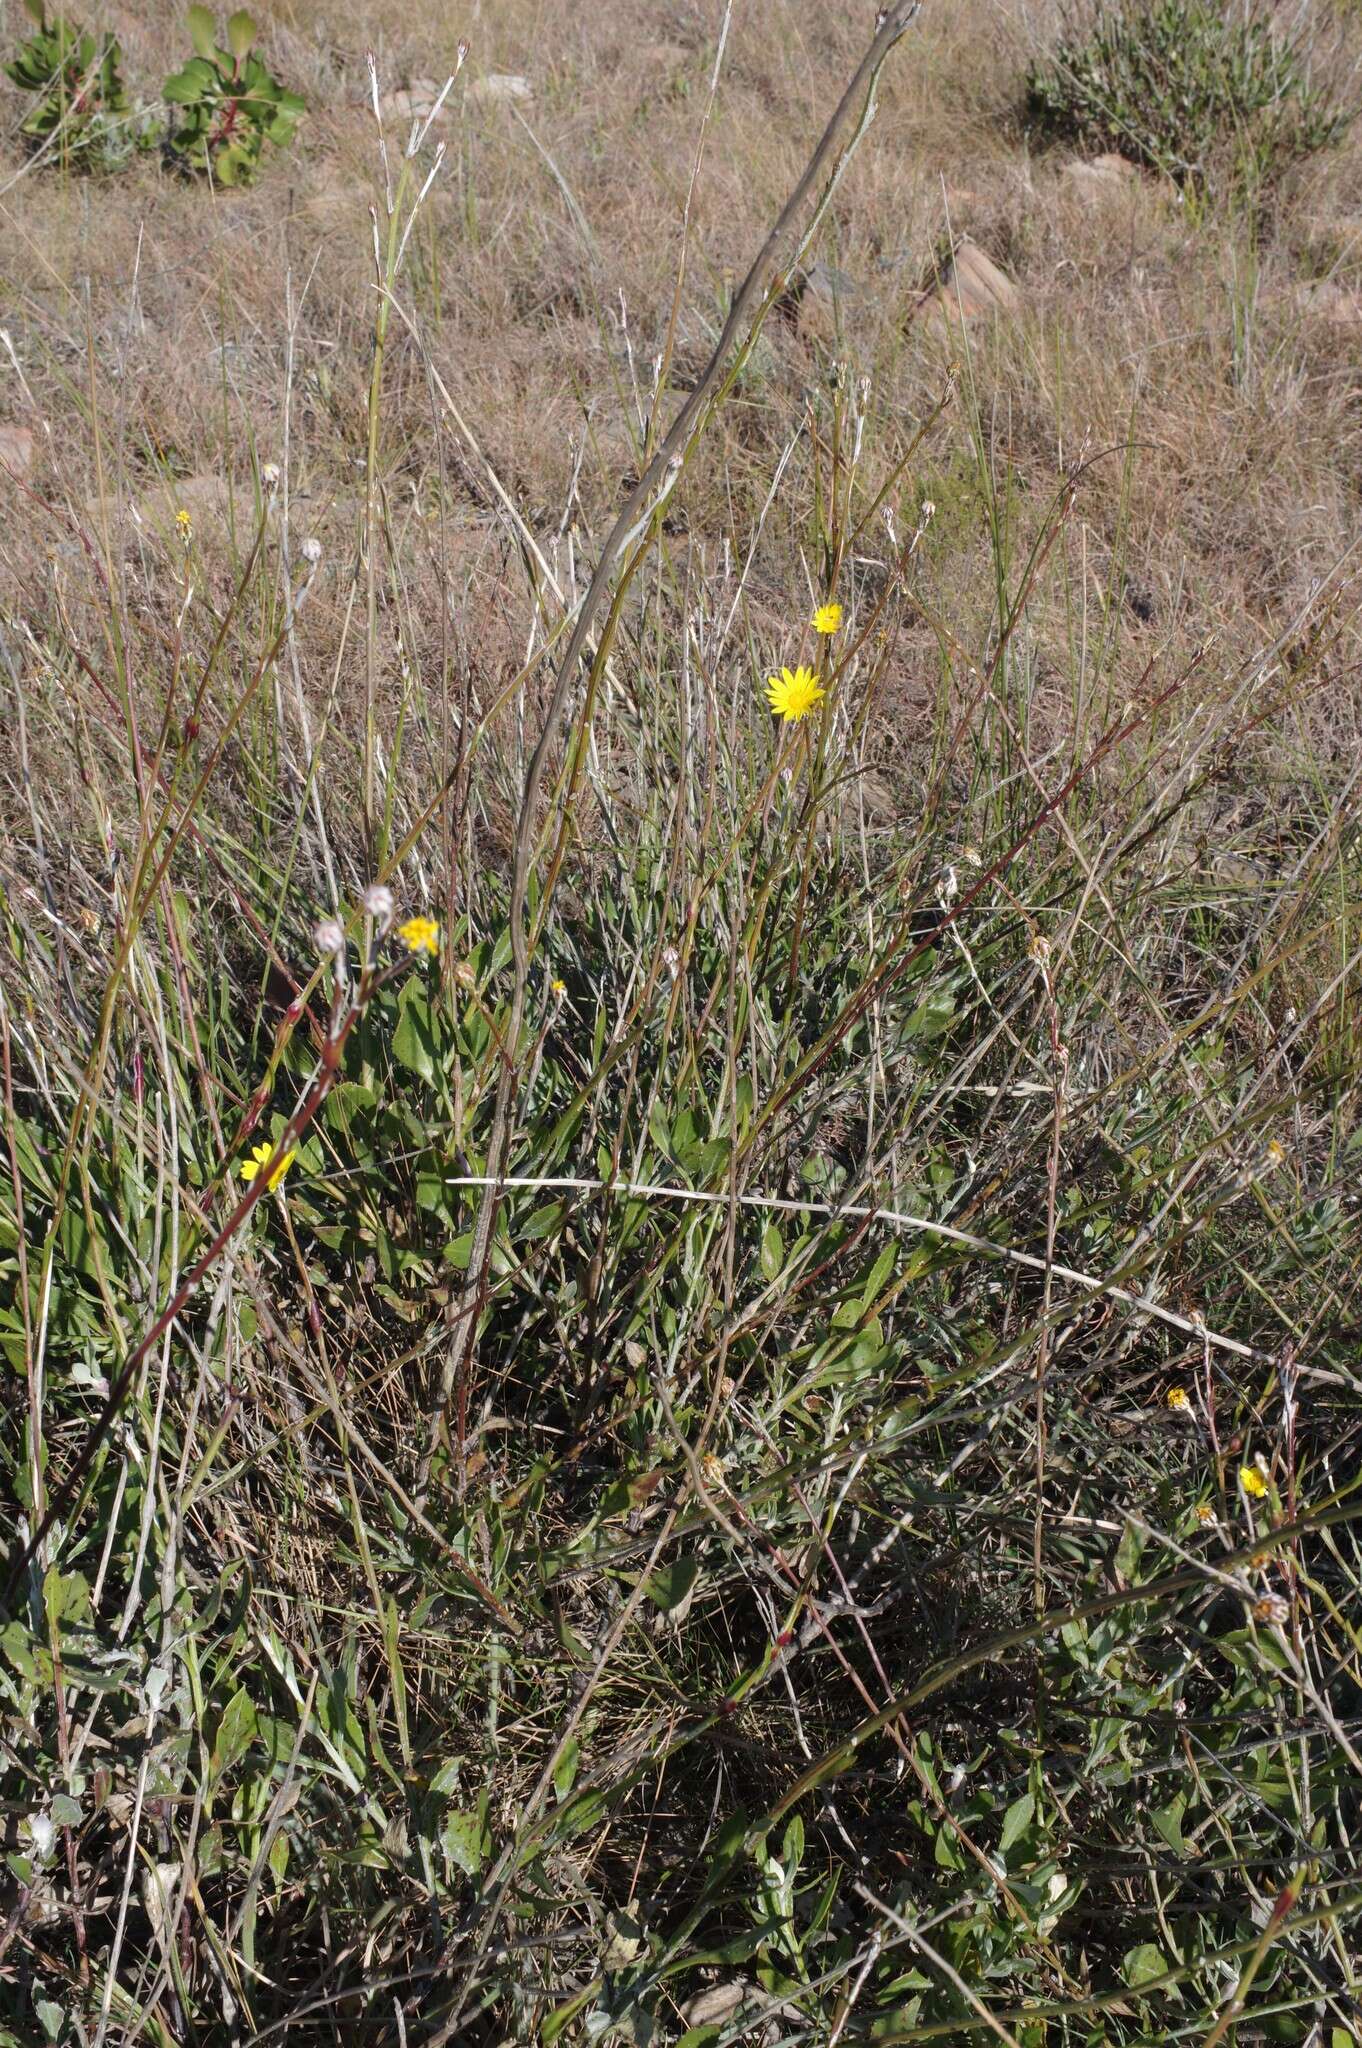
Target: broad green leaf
{"points": [[240, 33], [465, 1841], [565, 1770], [236, 1731], [184, 87], [1168, 1821], [413, 1046], [202, 31], [772, 1253], [1016, 1821], [670, 1584], [1144, 1964]]}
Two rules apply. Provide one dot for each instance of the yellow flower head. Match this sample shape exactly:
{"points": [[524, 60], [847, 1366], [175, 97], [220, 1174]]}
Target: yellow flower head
{"points": [[793, 693], [185, 524], [1253, 1482], [1204, 1512], [557, 988], [1176, 1397], [260, 1158], [827, 618], [420, 935]]}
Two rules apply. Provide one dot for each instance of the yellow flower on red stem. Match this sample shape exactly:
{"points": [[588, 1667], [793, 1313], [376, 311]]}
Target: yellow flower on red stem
{"points": [[1176, 1397], [260, 1158], [420, 935], [827, 618], [793, 694]]}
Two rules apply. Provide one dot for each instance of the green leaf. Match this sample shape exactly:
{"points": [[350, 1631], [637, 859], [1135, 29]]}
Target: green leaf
{"points": [[413, 1044], [933, 1015], [202, 31], [565, 1770], [465, 1839], [563, 2015], [1128, 1552], [236, 1731], [241, 33], [1143, 1964], [1168, 1821], [672, 1583], [1016, 1821], [182, 88], [772, 1253]]}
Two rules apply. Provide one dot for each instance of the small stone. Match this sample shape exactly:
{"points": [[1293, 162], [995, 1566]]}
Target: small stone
{"points": [[499, 87], [971, 287], [16, 450], [716, 2003], [1096, 178], [413, 102]]}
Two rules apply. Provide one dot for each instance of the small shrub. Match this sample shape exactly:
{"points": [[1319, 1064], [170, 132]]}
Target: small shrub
{"points": [[1189, 87], [228, 103], [82, 115]]}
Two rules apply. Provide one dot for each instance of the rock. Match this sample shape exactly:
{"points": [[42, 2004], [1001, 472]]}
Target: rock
{"points": [[499, 87], [16, 450], [825, 297], [717, 2003], [1096, 178], [1329, 301], [414, 102], [972, 286]]}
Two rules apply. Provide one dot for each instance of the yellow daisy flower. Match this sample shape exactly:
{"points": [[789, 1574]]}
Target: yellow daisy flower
{"points": [[420, 935], [1176, 1397], [793, 693], [185, 524], [260, 1158], [1253, 1482], [1204, 1512], [827, 618]]}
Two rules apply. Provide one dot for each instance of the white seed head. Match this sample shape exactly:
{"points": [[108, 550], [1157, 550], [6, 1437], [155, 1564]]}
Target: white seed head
{"points": [[378, 902], [269, 476], [42, 1832], [329, 937], [311, 550]]}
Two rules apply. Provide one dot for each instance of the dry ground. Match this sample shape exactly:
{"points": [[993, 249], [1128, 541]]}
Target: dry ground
{"points": [[1220, 356]]}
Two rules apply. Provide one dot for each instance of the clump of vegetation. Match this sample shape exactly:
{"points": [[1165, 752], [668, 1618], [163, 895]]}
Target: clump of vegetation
{"points": [[82, 115], [228, 102], [645, 1399], [1191, 88]]}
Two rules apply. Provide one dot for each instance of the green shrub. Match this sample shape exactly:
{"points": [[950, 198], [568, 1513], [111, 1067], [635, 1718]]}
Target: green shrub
{"points": [[82, 114], [1191, 88], [228, 102]]}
